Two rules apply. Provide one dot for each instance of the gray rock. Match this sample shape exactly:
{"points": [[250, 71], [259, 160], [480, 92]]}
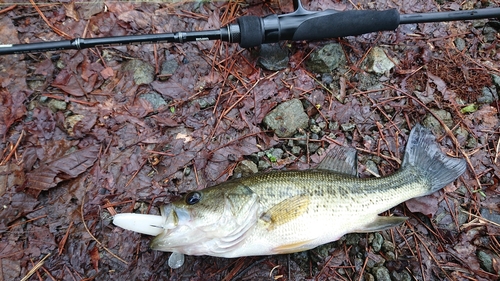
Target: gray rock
{"points": [[315, 129], [369, 277], [496, 80], [347, 127], [460, 43], [388, 246], [276, 153], [370, 165], [168, 68], [155, 99], [487, 96], [490, 34], [263, 165], [295, 150], [327, 59], [485, 260], [401, 276], [313, 146], [377, 61], [245, 168], [490, 215], [57, 105], [143, 72], [206, 102], [377, 242], [381, 273], [273, 57], [433, 124], [287, 118]]}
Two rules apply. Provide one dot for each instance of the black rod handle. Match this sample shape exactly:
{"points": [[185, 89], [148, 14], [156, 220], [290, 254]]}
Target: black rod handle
{"points": [[306, 25]]}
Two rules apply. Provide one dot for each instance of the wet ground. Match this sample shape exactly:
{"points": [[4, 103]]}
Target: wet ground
{"points": [[90, 133]]}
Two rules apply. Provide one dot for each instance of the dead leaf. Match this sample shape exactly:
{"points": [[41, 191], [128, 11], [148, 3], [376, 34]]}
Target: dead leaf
{"points": [[107, 72], [427, 205], [70, 10], [48, 175]]}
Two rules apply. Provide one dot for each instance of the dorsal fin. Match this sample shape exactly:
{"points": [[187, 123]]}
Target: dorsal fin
{"points": [[341, 159]]}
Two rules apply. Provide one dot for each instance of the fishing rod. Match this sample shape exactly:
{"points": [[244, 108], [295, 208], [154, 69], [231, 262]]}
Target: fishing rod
{"points": [[253, 31]]}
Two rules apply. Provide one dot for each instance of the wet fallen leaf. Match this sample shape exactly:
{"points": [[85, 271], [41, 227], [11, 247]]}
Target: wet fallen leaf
{"points": [[48, 175]]}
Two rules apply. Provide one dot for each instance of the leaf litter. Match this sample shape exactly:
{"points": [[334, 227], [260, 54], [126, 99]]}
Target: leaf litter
{"points": [[81, 140]]}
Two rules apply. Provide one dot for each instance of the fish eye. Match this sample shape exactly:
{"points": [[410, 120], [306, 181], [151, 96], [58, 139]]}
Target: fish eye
{"points": [[193, 198]]}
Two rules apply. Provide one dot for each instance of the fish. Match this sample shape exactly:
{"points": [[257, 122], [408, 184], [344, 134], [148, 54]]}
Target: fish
{"points": [[282, 212]]}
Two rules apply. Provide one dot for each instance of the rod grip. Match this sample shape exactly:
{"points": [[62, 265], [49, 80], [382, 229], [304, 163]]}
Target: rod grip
{"points": [[252, 31], [348, 23]]}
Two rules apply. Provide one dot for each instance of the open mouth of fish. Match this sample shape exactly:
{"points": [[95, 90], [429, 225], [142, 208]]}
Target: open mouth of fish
{"points": [[153, 224]]}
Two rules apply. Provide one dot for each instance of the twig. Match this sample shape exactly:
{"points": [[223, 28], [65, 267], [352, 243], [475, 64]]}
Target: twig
{"points": [[10, 8], [65, 238], [35, 268], [56, 30], [13, 149], [481, 218], [90, 233]]}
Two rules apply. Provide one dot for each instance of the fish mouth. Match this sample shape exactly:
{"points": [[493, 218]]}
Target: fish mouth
{"points": [[173, 216]]}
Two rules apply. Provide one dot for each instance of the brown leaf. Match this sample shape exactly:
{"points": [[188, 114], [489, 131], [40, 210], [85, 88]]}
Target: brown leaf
{"points": [[11, 110], [70, 10], [107, 72], [48, 175], [67, 82], [94, 256], [427, 205]]}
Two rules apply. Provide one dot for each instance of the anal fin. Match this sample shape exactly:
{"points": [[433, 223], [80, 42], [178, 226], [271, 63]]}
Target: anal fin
{"points": [[293, 247], [381, 223]]}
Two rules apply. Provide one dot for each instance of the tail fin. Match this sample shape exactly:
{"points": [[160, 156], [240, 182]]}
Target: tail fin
{"points": [[423, 153]]}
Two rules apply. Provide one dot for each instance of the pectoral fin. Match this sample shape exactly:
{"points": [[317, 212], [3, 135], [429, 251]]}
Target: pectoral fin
{"points": [[286, 211], [382, 223]]}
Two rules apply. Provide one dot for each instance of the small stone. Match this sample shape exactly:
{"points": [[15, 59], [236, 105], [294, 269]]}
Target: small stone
{"points": [[277, 153], [313, 147], [388, 246], [378, 62], [155, 99], [71, 121], [245, 168], [486, 261], [372, 167], [315, 129], [296, 150], [433, 124], [168, 68], [377, 242], [206, 102], [57, 105], [352, 239], [187, 171], [381, 274], [143, 72], [369, 277], [347, 127], [263, 165], [273, 57], [401, 276], [488, 96], [460, 43], [327, 59], [287, 118]]}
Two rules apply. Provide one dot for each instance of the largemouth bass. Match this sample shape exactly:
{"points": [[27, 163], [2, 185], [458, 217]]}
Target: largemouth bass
{"points": [[290, 211]]}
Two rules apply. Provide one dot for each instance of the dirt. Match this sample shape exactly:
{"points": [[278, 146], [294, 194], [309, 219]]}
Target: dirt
{"points": [[85, 134]]}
